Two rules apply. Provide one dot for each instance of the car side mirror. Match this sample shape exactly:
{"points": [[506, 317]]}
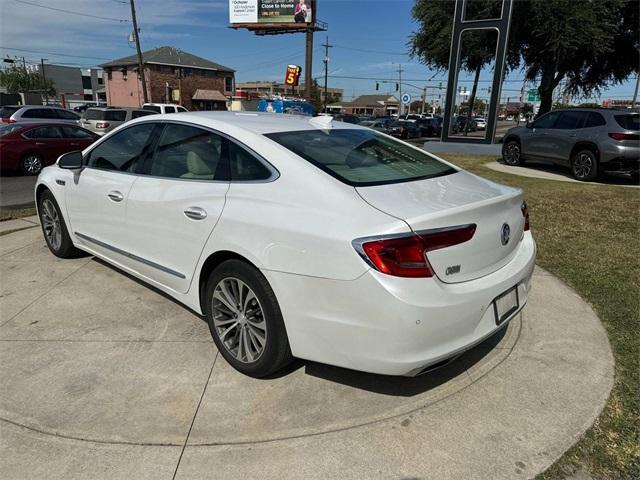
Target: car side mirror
{"points": [[70, 160]]}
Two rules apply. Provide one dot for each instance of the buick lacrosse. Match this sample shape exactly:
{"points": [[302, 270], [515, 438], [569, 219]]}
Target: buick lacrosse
{"points": [[298, 237]]}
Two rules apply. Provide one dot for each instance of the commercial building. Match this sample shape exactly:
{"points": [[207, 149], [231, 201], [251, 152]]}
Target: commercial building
{"points": [[262, 88], [74, 86], [376, 105], [172, 76]]}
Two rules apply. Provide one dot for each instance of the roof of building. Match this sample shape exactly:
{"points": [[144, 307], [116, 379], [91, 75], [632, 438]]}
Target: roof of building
{"points": [[169, 56], [214, 95]]}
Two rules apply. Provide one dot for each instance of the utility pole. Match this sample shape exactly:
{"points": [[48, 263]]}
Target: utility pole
{"points": [[400, 109], [44, 81], [424, 98], [326, 71], [635, 95], [136, 35]]}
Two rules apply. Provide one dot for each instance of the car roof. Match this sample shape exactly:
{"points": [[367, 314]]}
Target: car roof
{"points": [[255, 122], [110, 109]]}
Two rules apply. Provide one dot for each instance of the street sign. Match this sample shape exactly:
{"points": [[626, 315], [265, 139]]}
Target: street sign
{"points": [[406, 99], [533, 96], [292, 75]]}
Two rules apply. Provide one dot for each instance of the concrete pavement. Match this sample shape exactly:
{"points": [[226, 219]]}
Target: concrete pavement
{"points": [[103, 377]]}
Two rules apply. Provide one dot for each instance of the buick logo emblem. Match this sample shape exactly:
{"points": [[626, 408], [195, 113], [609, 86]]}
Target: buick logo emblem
{"points": [[505, 234]]}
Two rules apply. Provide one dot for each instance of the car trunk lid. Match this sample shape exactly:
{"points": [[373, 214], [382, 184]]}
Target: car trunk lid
{"points": [[456, 200]]}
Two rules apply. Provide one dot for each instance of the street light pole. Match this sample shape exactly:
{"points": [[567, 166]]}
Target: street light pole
{"points": [[44, 81], [140, 62], [326, 71]]}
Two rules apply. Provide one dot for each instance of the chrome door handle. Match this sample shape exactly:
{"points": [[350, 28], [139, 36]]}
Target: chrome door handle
{"points": [[115, 196], [195, 213]]}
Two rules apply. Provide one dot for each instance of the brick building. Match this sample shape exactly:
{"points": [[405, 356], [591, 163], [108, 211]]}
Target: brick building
{"points": [[172, 76]]}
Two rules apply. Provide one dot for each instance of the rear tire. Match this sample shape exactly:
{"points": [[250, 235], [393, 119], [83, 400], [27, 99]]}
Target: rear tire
{"points": [[584, 165], [635, 177], [245, 319], [53, 227], [31, 164], [512, 153]]}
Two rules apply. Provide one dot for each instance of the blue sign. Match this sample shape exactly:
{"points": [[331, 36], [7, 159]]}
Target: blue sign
{"points": [[406, 99]]}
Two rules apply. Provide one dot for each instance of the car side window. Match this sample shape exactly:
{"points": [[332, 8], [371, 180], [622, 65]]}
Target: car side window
{"points": [[169, 110], [123, 151], [48, 132], [546, 121], [569, 121], [64, 115], [39, 113], [75, 132], [594, 119], [140, 113], [181, 109], [188, 152], [245, 166]]}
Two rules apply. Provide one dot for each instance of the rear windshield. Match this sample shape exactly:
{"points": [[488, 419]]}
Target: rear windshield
{"points": [[6, 112], [153, 108], [361, 157], [629, 121], [111, 115]]}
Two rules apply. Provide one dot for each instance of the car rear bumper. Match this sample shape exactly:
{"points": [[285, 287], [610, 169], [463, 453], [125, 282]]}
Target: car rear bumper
{"points": [[395, 326], [620, 157]]}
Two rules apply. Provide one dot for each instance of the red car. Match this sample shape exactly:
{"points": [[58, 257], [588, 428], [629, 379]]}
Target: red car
{"points": [[28, 148]]}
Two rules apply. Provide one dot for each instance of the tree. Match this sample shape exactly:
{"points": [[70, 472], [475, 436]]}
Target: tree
{"points": [[315, 98], [588, 45], [19, 80]]}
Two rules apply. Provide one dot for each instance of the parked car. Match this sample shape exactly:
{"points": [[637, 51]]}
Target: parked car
{"points": [[460, 123], [37, 113], [347, 118], [403, 129], [379, 125], [164, 108], [429, 127], [481, 123], [588, 141], [294, 236], [103, 120], [83, 108], [28, 147]]}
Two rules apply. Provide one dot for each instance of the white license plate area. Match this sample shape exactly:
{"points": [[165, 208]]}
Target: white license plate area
{"points": [[506, 304]]}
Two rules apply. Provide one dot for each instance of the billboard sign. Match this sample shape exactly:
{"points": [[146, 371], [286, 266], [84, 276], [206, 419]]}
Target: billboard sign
{"points": [[296, 12], [292, 75]]}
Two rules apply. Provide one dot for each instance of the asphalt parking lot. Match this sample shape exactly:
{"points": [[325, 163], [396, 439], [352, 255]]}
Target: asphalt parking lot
{"points": [[104, 377]]}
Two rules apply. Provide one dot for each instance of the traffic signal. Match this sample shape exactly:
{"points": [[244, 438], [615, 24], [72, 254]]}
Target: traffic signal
{"points": [[397, 87]]}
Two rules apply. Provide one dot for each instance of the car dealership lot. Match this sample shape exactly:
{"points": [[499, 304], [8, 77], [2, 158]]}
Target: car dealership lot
{"points": [[106, 378]]}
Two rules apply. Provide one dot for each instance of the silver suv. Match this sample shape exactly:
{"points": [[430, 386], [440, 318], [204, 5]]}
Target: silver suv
{"points": [[102, 120], [587, 140], [37, 113]]}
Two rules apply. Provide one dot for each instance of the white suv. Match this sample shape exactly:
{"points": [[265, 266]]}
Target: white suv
{"points": [[164, 108]]}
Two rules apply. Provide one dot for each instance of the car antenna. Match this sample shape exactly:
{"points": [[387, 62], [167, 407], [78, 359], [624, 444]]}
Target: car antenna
{"points": [[323, 122]]}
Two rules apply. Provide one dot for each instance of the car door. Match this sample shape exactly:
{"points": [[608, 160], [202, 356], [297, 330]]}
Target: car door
{"points": [[564, 133], [535, 140], [47, 142], [174, 206], [96, 197]]}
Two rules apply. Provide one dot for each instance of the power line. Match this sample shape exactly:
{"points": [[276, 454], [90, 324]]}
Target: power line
{"points": [[370, 51], [52, 53], [70, 12]]}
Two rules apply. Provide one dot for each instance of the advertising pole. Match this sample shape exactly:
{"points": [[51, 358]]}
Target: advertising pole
{"points": [[308, 63]]}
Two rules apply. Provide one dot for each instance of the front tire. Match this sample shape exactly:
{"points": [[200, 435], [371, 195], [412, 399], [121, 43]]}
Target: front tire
{"points": [[31, 164], [584, 165], [245, 319], [511, 153], [53, 227]]}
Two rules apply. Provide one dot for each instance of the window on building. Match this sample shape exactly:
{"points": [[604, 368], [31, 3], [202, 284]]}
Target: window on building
{"points": [[228, 84], [88, 97], [86, 82], [100, 81], [108, 74]]}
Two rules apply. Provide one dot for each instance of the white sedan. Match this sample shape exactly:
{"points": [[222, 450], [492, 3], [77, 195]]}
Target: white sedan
{"points": [[298, 237]]}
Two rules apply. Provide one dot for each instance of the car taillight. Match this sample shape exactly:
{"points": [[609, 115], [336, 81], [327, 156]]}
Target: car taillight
{"points": [[406, 255], [102, 124], [525, 214], [8, 120], [625, 136]]}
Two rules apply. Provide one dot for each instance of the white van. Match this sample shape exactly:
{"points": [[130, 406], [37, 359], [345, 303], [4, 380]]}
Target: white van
{"points": [[164, 108]]}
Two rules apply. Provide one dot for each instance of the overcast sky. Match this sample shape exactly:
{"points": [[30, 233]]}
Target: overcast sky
{"points": [[369, 37]]}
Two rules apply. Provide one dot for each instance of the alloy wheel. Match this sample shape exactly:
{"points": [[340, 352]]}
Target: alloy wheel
{"points": [[32, 164], [582, 165], [238, 319], [51, 224], [512, 153]]}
